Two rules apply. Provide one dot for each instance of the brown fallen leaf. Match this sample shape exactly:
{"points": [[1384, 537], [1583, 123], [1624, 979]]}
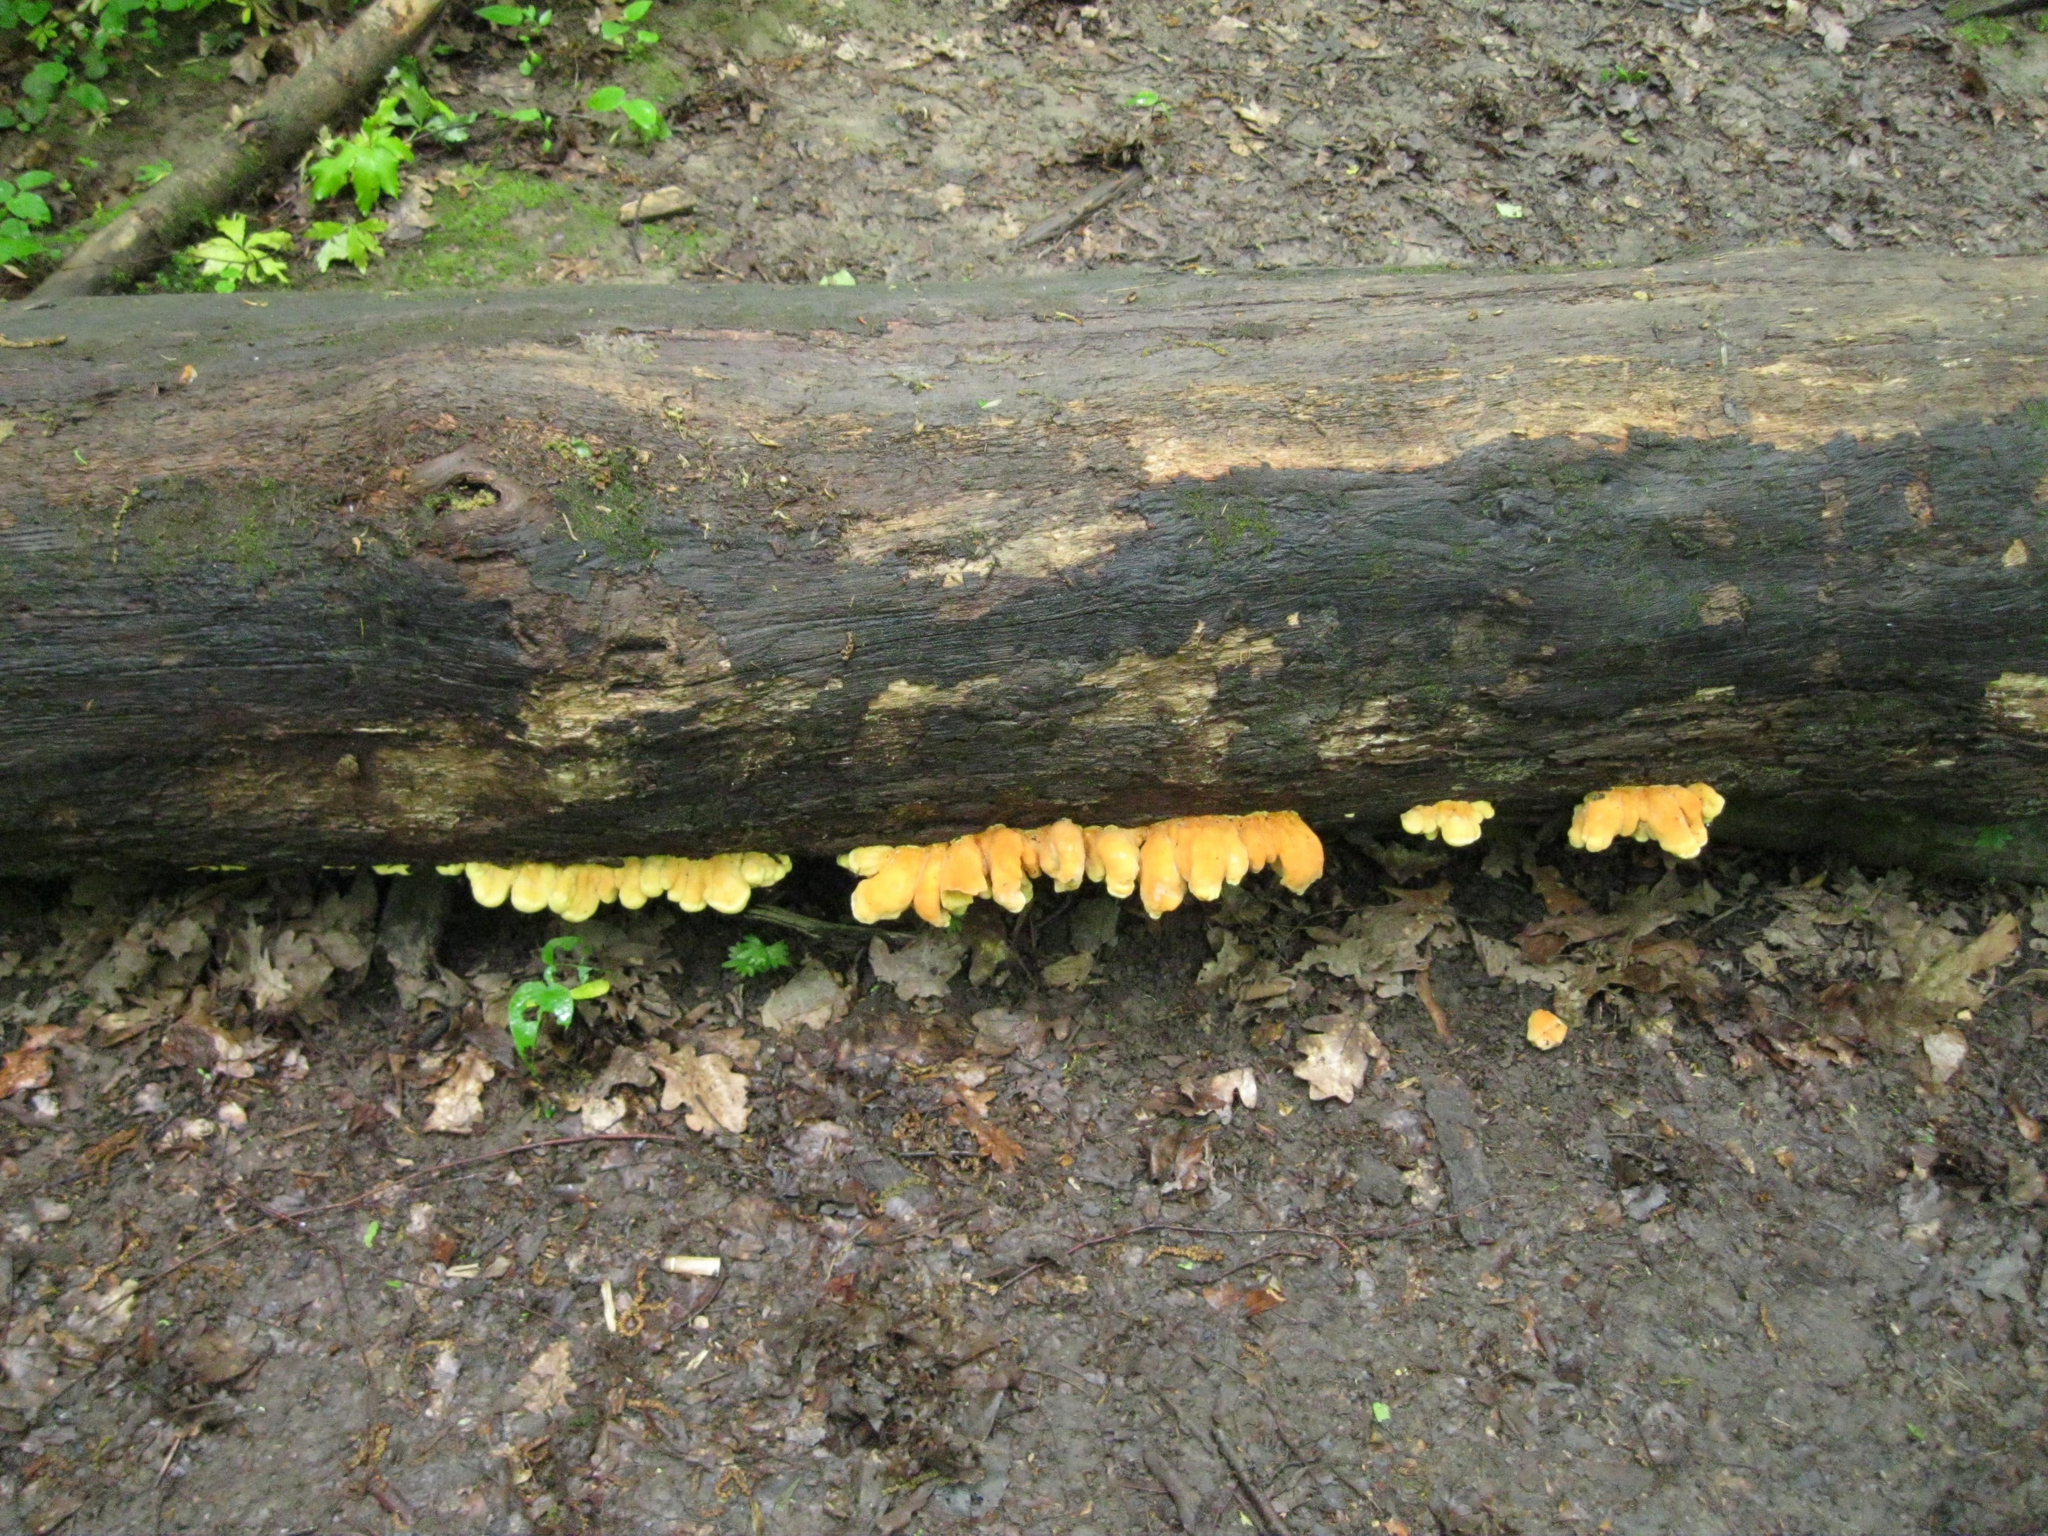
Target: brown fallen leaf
{"points": [[811, 999], [714, 1094], [1001, 1032], [969, 1111], [216, 1358], [1334, 1062], [458, 1098], [1179, 1159], [1558, 897], [23, 1071], [924, 967], [1070, 972], [1216, 1095], [547, 1383], [1233, 1300]]}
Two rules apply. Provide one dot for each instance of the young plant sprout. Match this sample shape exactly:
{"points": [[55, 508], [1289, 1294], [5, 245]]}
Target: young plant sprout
{"points": [[552, 997]]}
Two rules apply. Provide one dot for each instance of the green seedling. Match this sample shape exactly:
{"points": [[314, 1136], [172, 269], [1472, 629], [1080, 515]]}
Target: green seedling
{"points": [[642, 115], [149, 175], [1616, 74], [525, 23], [528, 117], [22, 213], [552, 996], [750, 957], [356, 244], [367, 160], [234, 256], [624, 34]]}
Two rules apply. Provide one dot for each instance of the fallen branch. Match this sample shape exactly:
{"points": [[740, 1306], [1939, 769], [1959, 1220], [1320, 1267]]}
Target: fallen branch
{"points": [[253, 153]]}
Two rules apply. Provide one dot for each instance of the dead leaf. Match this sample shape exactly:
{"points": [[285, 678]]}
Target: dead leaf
{"points": [[1231, 957], [1226, 30], [969, 1111], [547, 1384], [1218, 1094], [1334, 1062], [23, 1071], [999, 1032], [216, 1358], [1945, 1050], [458, 1098], [1558, 897], [921, 968], [811, 999], [732, 1044], [715, 1095], [1179, 1159], [1379, 943]]}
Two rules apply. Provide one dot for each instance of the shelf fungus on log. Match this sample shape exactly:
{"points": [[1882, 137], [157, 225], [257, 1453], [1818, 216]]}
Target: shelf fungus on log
{"points": [[725, 882], [1676, 815], [1456, 821], [1164, 863]]}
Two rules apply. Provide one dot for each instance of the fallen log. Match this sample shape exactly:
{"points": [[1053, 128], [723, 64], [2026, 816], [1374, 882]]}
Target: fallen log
{"points": [[579, 574]]}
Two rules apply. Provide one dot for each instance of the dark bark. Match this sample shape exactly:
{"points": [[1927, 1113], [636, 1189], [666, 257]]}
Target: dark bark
{"points": [[796, 569]]}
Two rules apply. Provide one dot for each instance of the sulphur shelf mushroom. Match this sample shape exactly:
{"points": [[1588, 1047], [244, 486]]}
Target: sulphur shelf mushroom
{"points": [[1163, 863], [1456, 821], [1676, 815], [725, 882], [1546, 1030]]}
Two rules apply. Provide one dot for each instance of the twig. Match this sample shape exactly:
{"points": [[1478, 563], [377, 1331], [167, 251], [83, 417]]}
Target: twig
{"points": [[38, 341], [1185, 1504], [1264, 1258], [273, 1218], [1437, 1016], [1051, 228], [1275, 1526]]}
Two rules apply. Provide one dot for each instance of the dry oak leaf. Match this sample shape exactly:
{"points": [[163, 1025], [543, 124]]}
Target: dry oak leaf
{"points": [[922, 968], [714, 1094], [23, 1070], [811, 999], [1216, 1097], [970, 1112], [1334, 1063], [547, 1384], [458, 1099]]}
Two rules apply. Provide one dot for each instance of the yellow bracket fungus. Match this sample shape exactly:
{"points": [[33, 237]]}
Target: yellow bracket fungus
{"points": [[725, 882], [1457, 821], [1676, 815], [1164, 863], [1546, 1030]]}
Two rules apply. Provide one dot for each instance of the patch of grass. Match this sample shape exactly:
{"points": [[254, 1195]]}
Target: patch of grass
{"points": [[498, 234]]}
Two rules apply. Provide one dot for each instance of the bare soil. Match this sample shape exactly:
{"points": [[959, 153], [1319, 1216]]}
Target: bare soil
{"points": [[1724, 1260]]}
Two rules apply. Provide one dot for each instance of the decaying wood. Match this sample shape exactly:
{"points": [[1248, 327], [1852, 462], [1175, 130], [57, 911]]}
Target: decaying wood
{"points": [[248, 156], [584, 573]]}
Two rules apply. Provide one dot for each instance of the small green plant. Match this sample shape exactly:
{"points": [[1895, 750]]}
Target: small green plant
{"points": [[750, 957], [355, 243], [409, 105], [367, 160], [551, 996], [1619, 74], [234, 256], [525, 23], [617, 32], [24, 214], [530, 117], [149, 175], [642, 115]]}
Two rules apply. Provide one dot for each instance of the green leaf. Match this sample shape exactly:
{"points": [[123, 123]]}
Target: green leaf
{"points": [[1142, 99], [29, 208], [149, 175], [40, 84], [89, 97], [29, 180], [1381, 1413], [505, 15], [750, 957], [840, 279], [356, 244], [590, 989], [19, 247], [646, 119], [636, 10], [370, 1233], [606, 98], [550, 957]]}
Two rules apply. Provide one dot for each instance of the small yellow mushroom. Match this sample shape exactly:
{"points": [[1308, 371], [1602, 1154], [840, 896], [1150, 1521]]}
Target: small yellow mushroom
{"points": [[887, 892], [761, 870], [1160, 887], [1676, 815], [686, 883], [1005, 848], [657, 874], [725, 887], [580, 903], [1300, 851], [1456, 820], [1202, 848], [489, 883], [1546, 1030], [451, 869], [867, 861], [928, 899], [1113, 857], [964, 874], [631, 897], [1261, 848], [1062, 854]]}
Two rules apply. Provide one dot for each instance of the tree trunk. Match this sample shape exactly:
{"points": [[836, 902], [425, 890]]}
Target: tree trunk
{"points": [[576, 573]]}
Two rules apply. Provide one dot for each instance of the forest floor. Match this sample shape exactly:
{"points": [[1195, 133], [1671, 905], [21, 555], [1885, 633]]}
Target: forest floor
{"points": [[1006, 1247]]}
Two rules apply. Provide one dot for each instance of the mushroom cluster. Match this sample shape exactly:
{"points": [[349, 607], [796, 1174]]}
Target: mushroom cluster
{"points": [[1676, 815], [1163, 863], [725, 882], [1457, 820]]}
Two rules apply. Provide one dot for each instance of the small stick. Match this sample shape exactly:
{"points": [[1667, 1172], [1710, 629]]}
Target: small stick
{"points": [[1059, 223], [1437, 1016], [1274, 1525], [1185, 1504]]}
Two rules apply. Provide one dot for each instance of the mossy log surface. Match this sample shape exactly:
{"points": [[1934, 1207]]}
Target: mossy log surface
{"points": [[580, 573]]}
